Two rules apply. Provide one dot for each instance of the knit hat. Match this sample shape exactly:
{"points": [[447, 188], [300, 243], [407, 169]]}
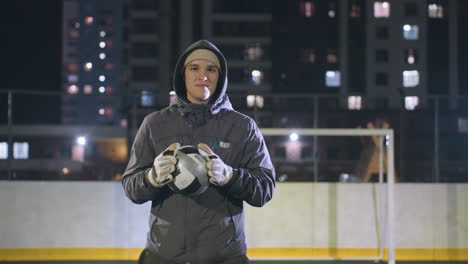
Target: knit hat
{"points": [[203, 54]]}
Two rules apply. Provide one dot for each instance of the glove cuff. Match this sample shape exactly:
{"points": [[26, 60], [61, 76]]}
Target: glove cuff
{"points": [[228, 173], [151, 175]]}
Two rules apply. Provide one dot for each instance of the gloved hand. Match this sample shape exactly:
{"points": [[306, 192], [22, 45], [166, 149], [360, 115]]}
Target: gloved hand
{"points": [[164, 164], [219, 172]]}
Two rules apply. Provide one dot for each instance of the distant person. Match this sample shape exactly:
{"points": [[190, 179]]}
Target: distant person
{"points": [[369, 162], [208, 228]]}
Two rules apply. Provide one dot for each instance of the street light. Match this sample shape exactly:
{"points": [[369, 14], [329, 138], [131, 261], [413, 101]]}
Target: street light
{"points": [[293, 136], [81, 140]]}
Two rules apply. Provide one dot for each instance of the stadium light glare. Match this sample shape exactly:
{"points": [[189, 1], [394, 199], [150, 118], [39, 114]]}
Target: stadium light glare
{"points": [[81, 140], [293, 136]]}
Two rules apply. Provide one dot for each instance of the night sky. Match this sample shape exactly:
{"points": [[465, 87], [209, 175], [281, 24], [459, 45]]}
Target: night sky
{"points": [[31, 57]]}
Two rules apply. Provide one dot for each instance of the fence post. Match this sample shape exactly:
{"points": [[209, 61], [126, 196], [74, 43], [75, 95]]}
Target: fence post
{"points": [[436, 172], [10, 137], [315, 158]]}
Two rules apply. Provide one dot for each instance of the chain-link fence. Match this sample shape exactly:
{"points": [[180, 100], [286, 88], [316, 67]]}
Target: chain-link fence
{"points": [[430, 140]]}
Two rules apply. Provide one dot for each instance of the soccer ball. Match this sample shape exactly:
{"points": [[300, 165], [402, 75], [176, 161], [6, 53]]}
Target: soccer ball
{"points": [[191, 175]]}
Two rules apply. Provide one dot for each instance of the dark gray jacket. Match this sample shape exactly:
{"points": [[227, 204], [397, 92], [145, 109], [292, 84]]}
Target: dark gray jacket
{"points": [[208, 228]]}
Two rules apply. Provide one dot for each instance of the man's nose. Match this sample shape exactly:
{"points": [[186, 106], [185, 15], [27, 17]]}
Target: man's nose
{"points": [[202, 76]]}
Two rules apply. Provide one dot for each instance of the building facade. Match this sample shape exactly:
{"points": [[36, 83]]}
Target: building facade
{"points": [[91, 55]]}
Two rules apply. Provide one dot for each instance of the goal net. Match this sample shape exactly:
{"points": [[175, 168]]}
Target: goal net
{"points": [[291, 149]]}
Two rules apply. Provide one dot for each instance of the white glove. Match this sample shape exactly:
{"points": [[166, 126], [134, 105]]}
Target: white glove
{"points": [[219, 172], [163, 167]]}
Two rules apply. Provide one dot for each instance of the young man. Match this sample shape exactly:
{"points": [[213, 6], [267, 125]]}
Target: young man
{"points": [[208, 228]]}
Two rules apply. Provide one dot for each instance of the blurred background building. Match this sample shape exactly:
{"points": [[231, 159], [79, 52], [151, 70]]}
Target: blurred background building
{"points": [[292, 64], [91, 56]]}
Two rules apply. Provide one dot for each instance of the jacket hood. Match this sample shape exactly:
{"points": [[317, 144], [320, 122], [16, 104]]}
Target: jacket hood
{"points": [[196, 113], [179, 82]]}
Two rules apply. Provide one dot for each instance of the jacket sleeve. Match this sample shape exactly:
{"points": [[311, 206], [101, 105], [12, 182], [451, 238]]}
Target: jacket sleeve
{"points": [[134, 180], [254, 181]]}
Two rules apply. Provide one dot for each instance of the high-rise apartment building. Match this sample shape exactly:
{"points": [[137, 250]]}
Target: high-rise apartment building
{"points": [[242, 30], [382, 54], [91, 55], [157, 31]]}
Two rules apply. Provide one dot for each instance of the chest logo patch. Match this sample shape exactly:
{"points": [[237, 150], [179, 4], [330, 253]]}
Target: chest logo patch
{"points": [[225, 145]]}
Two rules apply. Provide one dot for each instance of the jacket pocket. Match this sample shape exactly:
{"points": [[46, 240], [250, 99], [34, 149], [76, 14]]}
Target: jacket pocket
{"points": [[153, 220]]}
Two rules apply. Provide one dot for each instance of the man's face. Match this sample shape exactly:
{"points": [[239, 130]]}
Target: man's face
{"points": [[201, 78]]}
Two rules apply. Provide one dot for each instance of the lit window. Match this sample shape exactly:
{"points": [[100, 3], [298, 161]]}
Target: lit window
{"points": [[108, 20], [73, 78], [102, 44], [88, 89], [253, 52], [147, 99], [74, 34], [307, 55], [410, 32], [255, 101], [172, 98], [109, 66], [411, 102], [355, 11], [102, 55], [21, 150], [123, 123], [109, 89], [78, 152], [89, 20], [88, 66], [250, 100], [109, 111], [259, 101], [410, 78], [72, 67], [462, 126], [332, 79], [3, 150], [354, 102], [436, 11], [306, 8], [331, 56], [410, 56], [381, 9], [102, 78], [72, 89], [102, 33], [102, 89], [257, 77]]}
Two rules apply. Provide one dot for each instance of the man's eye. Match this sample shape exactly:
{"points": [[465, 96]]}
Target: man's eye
{"points": [[193, 68]]}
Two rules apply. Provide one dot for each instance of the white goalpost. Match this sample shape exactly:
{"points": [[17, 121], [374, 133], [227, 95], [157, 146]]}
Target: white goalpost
{"points": [[390, 195]]}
